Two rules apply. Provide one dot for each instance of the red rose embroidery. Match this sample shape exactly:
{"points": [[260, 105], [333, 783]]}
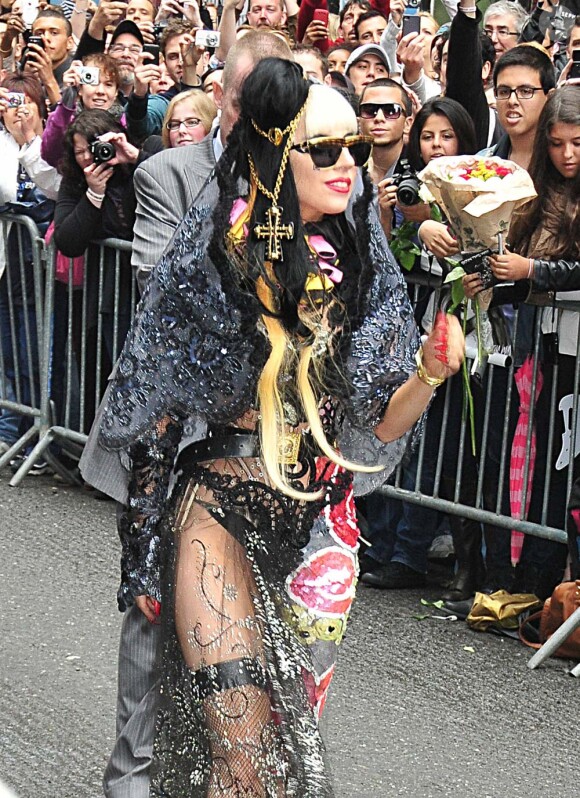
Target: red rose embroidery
{"points": [[325, 582]]}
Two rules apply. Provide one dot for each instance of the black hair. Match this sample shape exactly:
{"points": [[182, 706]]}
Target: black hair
{"points": [[90, 124], [271, 96], [532, 57], [51, 12], [367, 15], [364, 4], [459, 119], [487, 49], [562, 106], [389, 83]]}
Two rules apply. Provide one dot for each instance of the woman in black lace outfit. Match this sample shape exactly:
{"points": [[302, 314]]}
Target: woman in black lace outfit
{"points": [[272, 331]]}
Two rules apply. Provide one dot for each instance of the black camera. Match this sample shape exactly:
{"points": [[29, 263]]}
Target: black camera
{"points": [[102, 151], [408, 185]]}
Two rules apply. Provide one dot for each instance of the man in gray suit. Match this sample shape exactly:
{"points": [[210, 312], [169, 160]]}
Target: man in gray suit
{"points": [[166, 186]]}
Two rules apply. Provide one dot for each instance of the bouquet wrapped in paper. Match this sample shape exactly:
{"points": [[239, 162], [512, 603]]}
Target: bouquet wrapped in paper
{"points": [[478, 196]]}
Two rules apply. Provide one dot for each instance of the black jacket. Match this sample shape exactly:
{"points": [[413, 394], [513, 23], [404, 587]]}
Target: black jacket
{"points": [[464, 83]]}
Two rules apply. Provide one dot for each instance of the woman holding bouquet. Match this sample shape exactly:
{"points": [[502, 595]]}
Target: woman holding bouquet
{"points": [[444, 128], [545, 244], [271, 327]]}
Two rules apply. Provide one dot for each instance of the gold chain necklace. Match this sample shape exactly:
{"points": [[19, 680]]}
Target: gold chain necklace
{"points": [[273, 231]]}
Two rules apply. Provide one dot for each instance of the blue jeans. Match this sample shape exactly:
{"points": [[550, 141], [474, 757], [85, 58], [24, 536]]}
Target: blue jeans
{"points": [[25, 389], [403, 531]]}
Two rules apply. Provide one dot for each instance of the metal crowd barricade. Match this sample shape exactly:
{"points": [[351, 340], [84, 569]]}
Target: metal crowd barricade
{"points": [[88, 310], [24, 402], [81, 325], [482, 509]]}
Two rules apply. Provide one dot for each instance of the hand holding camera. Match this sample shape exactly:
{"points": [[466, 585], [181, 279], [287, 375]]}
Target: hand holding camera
{"points": [[146, 71], [316, 31], [147, 29], [23, 122], [397, 10], [113, 149], [36, 61], [14, 27], [71, 77], [191, 52], [98, 175], [192, 15]]}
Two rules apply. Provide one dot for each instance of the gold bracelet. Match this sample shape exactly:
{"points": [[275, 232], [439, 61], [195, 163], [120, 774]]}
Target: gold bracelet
{"points": [[432, 382]]}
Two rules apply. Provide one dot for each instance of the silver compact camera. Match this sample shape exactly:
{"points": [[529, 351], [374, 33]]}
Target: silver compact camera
{"points": [[89, 76], [207, 38], [16, 99]]}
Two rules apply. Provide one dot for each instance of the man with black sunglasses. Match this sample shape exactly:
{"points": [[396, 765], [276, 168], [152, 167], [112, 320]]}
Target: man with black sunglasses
{"points": [[385, 114]]}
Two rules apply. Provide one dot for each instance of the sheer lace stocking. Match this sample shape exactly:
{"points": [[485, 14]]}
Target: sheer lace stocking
{"points": [[220, 635], [243, 745]]}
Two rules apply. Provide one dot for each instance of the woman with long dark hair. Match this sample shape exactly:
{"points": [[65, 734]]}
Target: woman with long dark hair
{"points": [[441, 128], [96, 200], [545, 249], [270, 329]]}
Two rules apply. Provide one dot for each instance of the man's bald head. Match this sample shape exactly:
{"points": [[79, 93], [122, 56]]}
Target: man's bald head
{"points": [[242, 58]]}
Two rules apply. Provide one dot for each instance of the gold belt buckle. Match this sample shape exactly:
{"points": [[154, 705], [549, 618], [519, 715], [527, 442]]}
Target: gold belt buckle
{"points": [[289, 448]]}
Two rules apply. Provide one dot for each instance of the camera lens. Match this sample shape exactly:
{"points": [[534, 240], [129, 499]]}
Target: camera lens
{"points": [[102, 151], [408, 191]]}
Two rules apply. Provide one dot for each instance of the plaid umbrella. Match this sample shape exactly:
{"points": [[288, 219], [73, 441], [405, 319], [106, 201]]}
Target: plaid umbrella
{"points": [[523, 377]]}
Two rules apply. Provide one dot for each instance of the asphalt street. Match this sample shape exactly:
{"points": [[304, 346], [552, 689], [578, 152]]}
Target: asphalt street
{"points": [[419, 708]]}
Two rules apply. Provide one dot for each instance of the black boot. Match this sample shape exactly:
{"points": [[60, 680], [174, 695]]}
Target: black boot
{"points": [[499, 570], [466, 534]]}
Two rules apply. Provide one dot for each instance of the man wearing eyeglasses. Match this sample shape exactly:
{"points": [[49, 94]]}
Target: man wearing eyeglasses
{"points": [[126, 43], [523, 79], [503, 22]]}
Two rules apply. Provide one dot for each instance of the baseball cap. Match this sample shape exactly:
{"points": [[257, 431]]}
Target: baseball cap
{"points": [[128, 26], [367, 49]]}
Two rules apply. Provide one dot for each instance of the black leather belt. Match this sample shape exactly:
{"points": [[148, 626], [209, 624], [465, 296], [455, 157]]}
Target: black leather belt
{"points": [[219, 447]]}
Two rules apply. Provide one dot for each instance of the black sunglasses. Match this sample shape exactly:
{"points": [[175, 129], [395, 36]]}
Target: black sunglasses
{"points": [[390, 110], [325, 152]]}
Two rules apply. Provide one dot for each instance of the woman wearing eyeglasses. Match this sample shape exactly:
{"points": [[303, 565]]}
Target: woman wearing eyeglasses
{"points": [[188, 119], [273, 330]]}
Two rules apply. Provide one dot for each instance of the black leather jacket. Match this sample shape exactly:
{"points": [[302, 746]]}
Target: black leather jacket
{"points": [[556, 275]]}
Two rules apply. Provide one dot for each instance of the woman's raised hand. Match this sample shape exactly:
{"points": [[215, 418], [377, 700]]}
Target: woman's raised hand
{"points": [[124, 151], [444, 349]]}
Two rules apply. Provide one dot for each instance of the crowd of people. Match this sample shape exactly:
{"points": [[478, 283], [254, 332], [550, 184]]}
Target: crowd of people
{"points": [[253, 153]]}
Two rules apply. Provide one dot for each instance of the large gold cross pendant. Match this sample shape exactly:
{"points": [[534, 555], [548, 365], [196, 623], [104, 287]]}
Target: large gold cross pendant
{"points": [[274, 231]]}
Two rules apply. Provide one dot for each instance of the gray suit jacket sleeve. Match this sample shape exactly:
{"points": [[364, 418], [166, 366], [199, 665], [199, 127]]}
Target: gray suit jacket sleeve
{"points": [[166, 186]]}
